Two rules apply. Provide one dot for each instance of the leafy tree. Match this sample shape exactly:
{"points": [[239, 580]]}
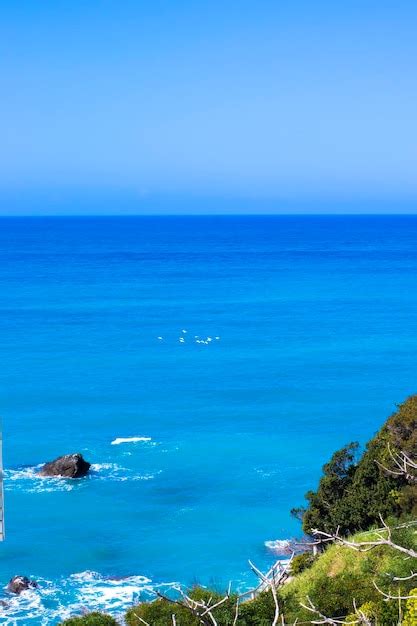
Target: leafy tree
{"points": [[324, 505], [352, 495]]}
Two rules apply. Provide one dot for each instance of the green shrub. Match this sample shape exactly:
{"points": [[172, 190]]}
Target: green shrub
{"points": [[91, 619], [341, 575], [369, 611], [257, 612], [159, 612], [301, 562], [410, 617]]}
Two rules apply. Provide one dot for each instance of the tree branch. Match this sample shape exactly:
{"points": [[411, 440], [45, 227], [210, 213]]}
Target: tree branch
{"points": [[403, 464], [365, 546], [323, 618], [389, 596]]}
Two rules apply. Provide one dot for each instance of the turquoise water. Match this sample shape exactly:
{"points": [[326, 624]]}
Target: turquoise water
{"points": [[316, 319]]}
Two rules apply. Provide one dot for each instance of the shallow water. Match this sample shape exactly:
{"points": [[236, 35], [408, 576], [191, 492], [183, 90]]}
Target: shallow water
{"points": [[316, 320]]}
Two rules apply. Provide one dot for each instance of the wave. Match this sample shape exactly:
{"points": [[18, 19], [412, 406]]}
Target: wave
{"points": [[27, 479], [55, 601], [279, 546], [120, 440], [112, 471]]}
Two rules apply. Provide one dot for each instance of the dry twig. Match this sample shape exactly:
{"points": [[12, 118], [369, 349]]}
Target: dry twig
{"points": [[384, 538], [404, 466]]}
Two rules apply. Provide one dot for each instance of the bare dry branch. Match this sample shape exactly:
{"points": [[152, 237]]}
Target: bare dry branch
{"points": [[390, 596], [201, 609], [185, 604], [404, 466], [271, 585], [400, 578], [236, 612], [323, 619], [362, 617], [384, 538]]}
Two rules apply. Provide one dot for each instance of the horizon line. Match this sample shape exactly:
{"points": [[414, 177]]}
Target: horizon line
{"points": [[168, 215]]}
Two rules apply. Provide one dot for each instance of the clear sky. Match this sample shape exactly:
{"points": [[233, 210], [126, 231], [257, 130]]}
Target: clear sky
{"points": [[185, 106]]}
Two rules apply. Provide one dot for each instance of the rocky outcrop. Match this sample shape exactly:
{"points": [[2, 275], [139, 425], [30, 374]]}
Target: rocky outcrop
{"points": [[67, 466], [21, 583]]}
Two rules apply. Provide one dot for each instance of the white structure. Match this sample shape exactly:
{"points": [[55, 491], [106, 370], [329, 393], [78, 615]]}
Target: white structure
{"points": [[2, 534]]}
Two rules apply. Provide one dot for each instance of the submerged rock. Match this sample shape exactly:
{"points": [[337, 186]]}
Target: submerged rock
{"points": [[21, 583], [68, 466]]}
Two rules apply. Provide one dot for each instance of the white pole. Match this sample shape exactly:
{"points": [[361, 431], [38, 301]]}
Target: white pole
{"points": [[2, 532]]}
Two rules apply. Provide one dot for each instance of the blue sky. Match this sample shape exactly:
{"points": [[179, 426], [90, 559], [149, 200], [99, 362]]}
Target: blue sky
{"points": [[131, 106]]}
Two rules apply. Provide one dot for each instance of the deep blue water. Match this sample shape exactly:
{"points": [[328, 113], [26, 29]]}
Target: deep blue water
{"points": [[317, 326]]}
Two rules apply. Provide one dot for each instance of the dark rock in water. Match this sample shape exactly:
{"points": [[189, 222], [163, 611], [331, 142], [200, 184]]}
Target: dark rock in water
{"points": [[21, 583], [68, 466]]}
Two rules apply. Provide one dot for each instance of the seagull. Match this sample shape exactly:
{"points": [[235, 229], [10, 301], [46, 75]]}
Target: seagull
{"points": [[160, 338], [184, 331]]}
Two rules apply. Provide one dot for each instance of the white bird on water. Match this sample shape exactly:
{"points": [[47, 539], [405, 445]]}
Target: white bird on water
{"points": [[160, 338], [184, 331]]}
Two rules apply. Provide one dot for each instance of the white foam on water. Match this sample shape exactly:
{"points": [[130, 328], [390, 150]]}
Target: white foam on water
{"points": [[120, 440], [115, 472], [28, 479], [278, 546], [98, 467], [53, 602]]}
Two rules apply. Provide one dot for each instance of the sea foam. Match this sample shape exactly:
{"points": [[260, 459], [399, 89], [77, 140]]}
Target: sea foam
{"points": [[279, 546], [120, 440], [55, 601], [28, 480]]}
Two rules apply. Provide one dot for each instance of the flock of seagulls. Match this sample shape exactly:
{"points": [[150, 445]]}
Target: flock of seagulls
{"points": [[197, 339]]}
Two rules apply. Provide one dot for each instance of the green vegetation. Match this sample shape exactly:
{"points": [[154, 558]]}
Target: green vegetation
{"points": [[410, 617], [353, 495], [159, 613], [302, 562], [341, 575], [258, 612], [91, 619]]}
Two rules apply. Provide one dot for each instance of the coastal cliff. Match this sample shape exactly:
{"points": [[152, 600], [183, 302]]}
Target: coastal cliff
{"points": [[363, 518]]}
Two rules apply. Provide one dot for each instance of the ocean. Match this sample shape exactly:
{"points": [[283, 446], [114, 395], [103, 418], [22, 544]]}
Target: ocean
{"points": [[207, 367]]}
